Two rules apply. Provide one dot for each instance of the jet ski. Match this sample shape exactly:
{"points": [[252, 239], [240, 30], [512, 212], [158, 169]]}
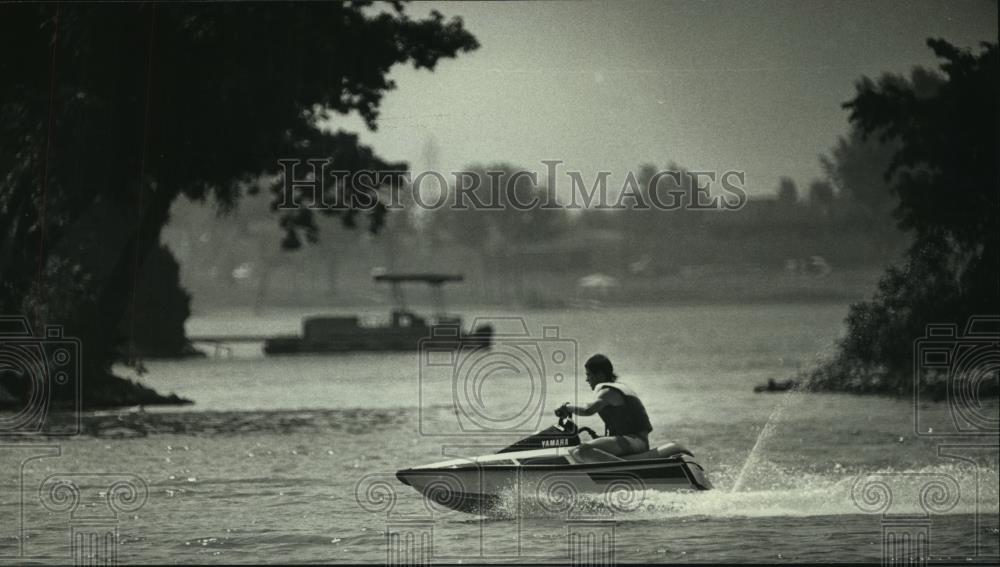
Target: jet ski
{"points": [[545, 461]]}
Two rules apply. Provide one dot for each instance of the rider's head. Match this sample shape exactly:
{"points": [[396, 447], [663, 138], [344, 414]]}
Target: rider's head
{"points": [[599, 369]]}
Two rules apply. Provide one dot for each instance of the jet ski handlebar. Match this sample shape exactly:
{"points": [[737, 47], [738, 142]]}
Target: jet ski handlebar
{"points": [[564, 415], [568, 424], [562, 412]]}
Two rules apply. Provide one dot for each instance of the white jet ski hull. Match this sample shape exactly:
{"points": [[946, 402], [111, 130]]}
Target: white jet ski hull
{"points": [[479, 485]]}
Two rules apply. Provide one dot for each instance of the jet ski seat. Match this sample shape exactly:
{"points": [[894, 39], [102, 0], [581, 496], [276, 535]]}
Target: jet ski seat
{"points": [[661, 452]]}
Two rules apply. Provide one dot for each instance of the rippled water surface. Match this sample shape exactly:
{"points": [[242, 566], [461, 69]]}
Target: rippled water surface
{"points": [[291, 459]]}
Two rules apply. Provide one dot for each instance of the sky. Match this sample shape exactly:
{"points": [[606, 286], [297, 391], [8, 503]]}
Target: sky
{"points": [[753, 86]]}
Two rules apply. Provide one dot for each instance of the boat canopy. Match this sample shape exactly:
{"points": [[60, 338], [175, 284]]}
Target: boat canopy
{"points": [[436, 281]]}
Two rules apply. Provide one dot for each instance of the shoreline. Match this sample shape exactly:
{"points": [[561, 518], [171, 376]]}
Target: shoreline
{"points": [[110, 392]]}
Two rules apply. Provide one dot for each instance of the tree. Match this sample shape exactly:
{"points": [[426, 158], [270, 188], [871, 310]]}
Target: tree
{"points": [[944, 172], [499, 211], [788, 193], [111, 111], [821, 193], [856, 166], [154, 325], [946, 164], [673, 236]]}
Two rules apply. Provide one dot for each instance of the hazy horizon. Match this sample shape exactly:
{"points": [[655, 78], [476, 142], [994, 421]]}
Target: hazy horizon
{"points": [[718, 86]]}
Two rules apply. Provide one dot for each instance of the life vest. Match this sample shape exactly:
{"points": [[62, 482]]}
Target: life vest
{"points": [[630, 418]]}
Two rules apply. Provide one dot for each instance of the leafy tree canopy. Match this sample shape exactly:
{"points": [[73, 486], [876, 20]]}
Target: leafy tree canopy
{"points": [[944, 171], [946, 128], [108, 112]]}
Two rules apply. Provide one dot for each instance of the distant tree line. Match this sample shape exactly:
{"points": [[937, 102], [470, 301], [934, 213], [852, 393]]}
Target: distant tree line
{"points": [[510, 250]]}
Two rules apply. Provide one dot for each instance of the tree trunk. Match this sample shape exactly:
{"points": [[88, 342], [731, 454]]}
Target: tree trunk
{"points": [[114, 301]]}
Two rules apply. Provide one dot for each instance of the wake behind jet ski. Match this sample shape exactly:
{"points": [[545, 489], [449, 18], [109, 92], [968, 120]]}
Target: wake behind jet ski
{"points": [[477, 485]]}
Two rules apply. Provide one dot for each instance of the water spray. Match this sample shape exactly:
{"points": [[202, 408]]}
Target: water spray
{"points": [[765, 433]]}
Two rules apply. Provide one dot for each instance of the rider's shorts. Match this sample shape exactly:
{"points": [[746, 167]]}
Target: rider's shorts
{"points": [[632, 443]]}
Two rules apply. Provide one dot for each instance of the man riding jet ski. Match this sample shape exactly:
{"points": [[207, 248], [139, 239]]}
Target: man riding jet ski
{"points": [[625, 419], [557, 455]]}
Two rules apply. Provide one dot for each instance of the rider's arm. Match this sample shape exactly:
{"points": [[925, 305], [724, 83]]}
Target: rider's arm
{"points": [[589, 409], [593, 407]]}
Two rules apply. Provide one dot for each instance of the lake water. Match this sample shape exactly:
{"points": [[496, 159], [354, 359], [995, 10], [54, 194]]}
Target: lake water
{"points": [[291, 459]]}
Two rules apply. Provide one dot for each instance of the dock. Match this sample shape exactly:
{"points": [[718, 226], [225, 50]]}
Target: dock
{"points": [[219, 342]]}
